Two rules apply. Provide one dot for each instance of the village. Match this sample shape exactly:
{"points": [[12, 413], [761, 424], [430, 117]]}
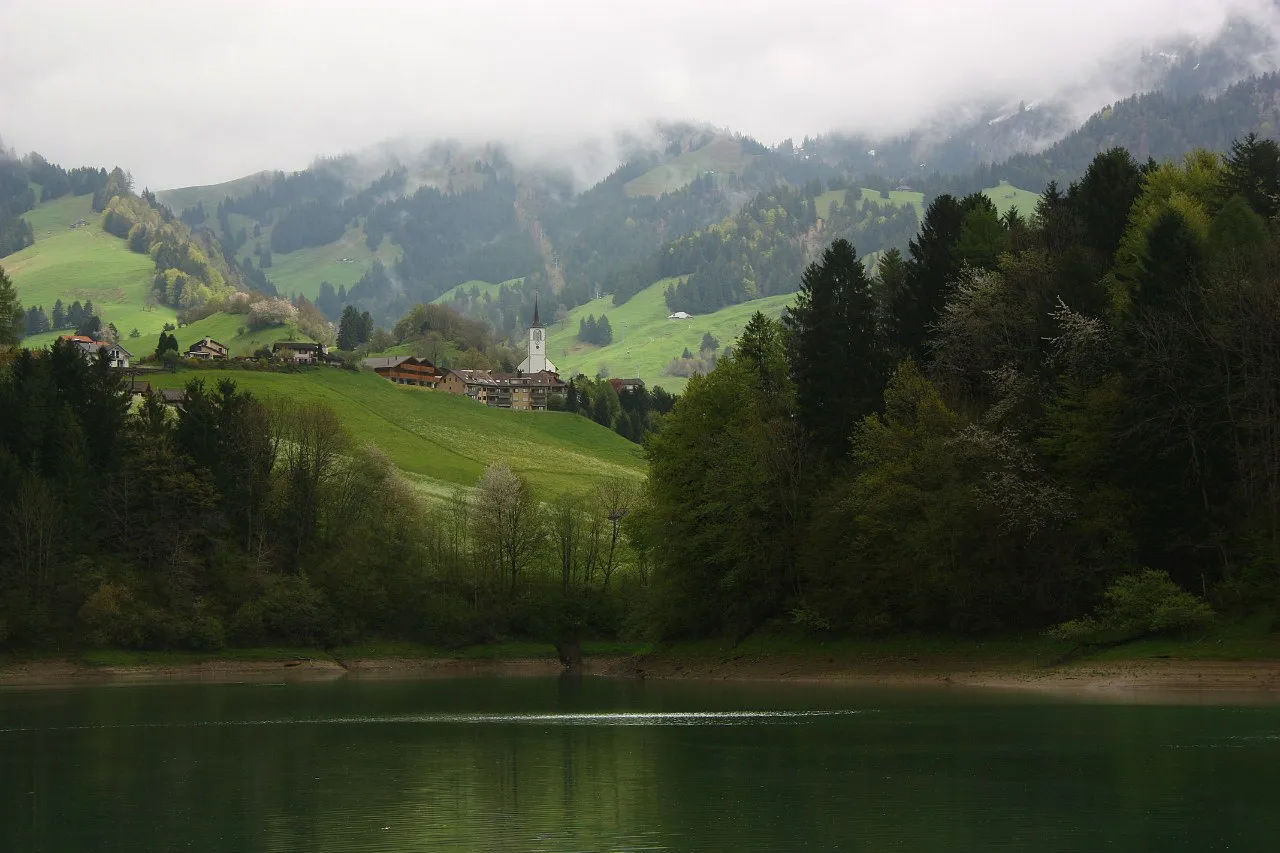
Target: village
{"points": [[532, 387]]}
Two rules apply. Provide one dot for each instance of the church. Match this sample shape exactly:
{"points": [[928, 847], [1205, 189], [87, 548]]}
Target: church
{"points": [[536, 361]]}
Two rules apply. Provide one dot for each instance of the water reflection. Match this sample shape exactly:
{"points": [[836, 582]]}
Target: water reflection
{"points": [[541, 765]]}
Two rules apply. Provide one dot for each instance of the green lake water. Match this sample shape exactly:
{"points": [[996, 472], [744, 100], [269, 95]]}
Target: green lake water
{"points": [[599, 765]]}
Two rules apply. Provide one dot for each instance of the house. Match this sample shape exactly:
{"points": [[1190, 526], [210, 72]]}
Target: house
{"points": [[176, 397], [138, 387], [406, 370], [302, 352], [679, 315], [208, 349], [621, 385], [519, 391], [117, 356]]}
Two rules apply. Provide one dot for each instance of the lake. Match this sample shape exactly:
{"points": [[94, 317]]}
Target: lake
{"points": [[496, 764]]}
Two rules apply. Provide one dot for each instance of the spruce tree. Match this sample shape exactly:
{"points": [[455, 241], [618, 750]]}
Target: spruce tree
{"points": [[931, 272], [349, 328], [59, 315], [837, 353], [1252, 170], [1102, 198]]}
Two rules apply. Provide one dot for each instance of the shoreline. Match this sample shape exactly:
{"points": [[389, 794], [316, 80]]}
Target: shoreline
{"points": [[1125, 680]]}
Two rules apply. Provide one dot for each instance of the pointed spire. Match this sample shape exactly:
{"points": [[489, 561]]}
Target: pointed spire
{"points": [[535, 312]]}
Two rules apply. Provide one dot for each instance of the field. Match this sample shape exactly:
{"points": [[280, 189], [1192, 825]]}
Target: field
{"points": [[440, 440], [723, 155], [644, 340], [1004, 196], [301, 272], [224, 328], [482, 287], [84, 263], [180, 199]]}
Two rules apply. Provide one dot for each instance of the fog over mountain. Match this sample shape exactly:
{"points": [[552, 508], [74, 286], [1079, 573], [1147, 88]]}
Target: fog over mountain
{"points": [[198, 94]]}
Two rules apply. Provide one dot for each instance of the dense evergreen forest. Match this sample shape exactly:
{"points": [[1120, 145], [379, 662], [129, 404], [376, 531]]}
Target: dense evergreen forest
{"points": [[1013, 425], [1000, 426]]}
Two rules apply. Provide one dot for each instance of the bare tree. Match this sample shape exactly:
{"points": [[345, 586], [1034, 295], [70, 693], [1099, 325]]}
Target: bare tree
{"points": [[506, 514]]}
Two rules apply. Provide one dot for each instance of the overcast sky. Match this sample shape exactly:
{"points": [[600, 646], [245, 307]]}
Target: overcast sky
{"points": [[184, 93]]}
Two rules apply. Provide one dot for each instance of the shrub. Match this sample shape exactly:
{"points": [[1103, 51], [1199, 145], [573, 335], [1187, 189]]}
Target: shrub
{"points": [[1138, 605]]}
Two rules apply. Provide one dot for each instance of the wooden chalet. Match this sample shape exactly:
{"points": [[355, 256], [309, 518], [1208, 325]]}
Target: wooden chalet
{"points": [[406, 370]]}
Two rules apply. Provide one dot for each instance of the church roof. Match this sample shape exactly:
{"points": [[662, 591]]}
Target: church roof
{"points": [[536, 323]]}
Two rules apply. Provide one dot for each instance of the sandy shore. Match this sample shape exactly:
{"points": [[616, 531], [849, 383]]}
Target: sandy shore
{"points": [[1136, 680]]}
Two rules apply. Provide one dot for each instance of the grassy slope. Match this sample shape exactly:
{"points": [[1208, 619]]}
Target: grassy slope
{"points": [[482, 287], [1004, 196], [441, 440], [223, 329], [182, 198], [723, 155], [301, 272], [644, 340], [84, 263]]}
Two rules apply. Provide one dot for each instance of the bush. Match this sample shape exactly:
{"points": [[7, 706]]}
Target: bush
{"points": [[1138, 605], [290, 610]]}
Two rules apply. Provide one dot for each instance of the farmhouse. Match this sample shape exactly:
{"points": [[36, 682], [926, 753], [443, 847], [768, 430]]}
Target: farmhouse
{"points": [[208, 349], [406, 370], [117, 356], [529, 392], [303, 352], [621, 385], [679, 315]]}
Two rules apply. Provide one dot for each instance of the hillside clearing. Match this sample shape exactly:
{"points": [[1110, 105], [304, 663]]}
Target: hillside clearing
{"points": [[721, 156], [84, 263], [441, 441], [644, 340]]}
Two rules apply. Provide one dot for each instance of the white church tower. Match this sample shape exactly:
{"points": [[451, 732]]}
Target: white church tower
{"points": [[537, 360]]}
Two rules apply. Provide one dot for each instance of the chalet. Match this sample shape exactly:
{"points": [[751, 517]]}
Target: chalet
{"points": [[117, 356], [208, 349], [303, 352], [679, 315], [406, 370], [621, 385]]}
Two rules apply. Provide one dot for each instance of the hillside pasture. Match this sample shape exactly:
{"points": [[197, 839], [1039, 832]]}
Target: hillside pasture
{"points": [[721, 156], [181, 198], [442, 441], [644, 340], [84, 263]]}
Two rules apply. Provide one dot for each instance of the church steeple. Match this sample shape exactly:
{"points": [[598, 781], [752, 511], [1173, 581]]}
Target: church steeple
{"points": [[536, 324]]}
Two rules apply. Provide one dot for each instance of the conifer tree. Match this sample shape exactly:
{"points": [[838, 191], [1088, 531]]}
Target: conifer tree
{"points": [[11, 313], [931, 271], [838, 356]]}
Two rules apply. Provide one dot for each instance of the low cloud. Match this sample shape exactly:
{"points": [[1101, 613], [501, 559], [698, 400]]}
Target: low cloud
{"points": [[184, 93]]}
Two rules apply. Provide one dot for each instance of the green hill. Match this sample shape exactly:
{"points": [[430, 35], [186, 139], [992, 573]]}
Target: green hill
{"points": [[644, 340], [1004, 196], [481, 288], [440, 440], [225, 329], [341, 263], [722, 156], [180, 199], [84, 263]]}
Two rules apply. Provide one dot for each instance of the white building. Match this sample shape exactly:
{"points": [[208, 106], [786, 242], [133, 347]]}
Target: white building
{"points": [[537, 361], [117, 356], [679, 315]]}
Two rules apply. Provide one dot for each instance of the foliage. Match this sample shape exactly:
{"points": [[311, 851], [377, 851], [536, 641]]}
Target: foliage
{"points": [[1138, 605]]}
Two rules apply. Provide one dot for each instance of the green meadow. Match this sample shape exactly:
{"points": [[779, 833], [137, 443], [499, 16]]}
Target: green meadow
{"points": [[476, 287], [1004, 196], [723, 155], [644, 340], [180, 199], [84, 263], [440, 440], [341, 263]]}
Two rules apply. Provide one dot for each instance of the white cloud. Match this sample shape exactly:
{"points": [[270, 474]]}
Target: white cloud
{"points": [[197, 93]]}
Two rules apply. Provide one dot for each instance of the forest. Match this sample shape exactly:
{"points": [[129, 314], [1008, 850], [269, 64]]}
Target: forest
{"points": [[1011, 425]]}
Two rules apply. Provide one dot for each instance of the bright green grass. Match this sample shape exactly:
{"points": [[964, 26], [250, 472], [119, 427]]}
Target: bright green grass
{"points": [[897, 198], [84, 263], [644, 340], [224, 329], [182, 198], [301, 272], [481, 287], [1006, 195], [442, 440], [723, 156]]}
